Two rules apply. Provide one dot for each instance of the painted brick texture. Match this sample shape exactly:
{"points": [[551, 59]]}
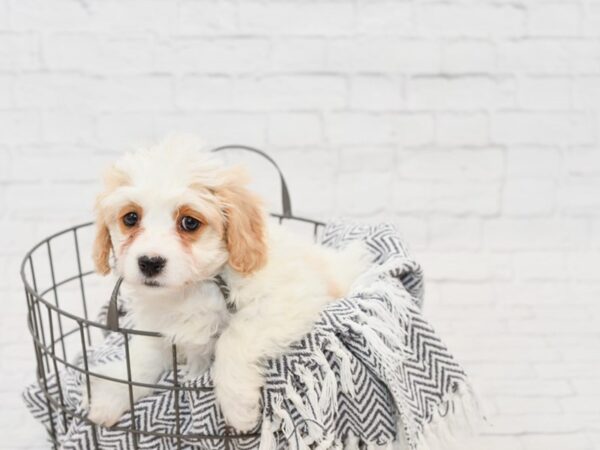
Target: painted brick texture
{"points": [[471, 124]]}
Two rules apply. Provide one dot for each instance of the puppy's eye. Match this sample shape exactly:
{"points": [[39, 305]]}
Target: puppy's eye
{"points": [[130, 219], [188, 223]]}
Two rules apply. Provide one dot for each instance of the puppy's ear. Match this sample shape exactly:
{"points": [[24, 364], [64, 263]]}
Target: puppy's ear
{"points": [[102, 246], [245, 232], [113, 179]]}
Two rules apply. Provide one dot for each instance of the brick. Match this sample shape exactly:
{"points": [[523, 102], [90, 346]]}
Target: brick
{"points": [[20, 127], [288, 17], [134, 93], [155, 17], [462, 129], [5, 166], [581, 370], [452, 198], [542, 128], [360, 157], [583, 56], [464, 266], [534, 234], [582, 162], [290, 92], [533, 387], [414, 231], [414, 129], [54, 90], [6, 91], [360, 128], [56, 199], [453, 166], [586, 92], [473, 20], [310, 176], [19, 51], [294, 129], [4, 8], [526, 162], [554, 19], [545, 93], [33, 167], [385, 17], [538, 266], [206, 17], [375, 93], [457, 293], [95, 53], [591, 19], [534, 56], [215, 128], [460, 93], [527, 405], [363, 193], [298, 54], [583, 265], [220, 55], [455, 234], [525, 197], [579, 197], [544, 441], [61, 15], [468, 56], [68, 127], [371, 54], [204, 93], [119, 130]]}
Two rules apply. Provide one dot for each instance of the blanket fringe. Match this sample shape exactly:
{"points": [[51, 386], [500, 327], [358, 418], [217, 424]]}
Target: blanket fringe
{"points": [[268, 440], [453, 422], [346, 379]]}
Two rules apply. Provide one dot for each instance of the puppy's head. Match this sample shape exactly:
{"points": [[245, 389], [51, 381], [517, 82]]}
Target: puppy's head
{"points": [[172, 217]]}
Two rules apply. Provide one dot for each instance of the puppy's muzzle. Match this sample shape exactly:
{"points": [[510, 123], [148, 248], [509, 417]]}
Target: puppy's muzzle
{"points": [[151, 266]]}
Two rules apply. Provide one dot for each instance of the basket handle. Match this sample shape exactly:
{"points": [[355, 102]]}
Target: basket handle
{"points": [[112, 314], [286, 203]]}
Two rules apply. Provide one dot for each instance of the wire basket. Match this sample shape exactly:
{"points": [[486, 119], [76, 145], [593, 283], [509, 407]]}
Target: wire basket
{"points": [[61, 291]]}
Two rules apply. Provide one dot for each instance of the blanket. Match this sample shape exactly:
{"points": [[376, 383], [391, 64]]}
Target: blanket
{"points": [[371, 374]]}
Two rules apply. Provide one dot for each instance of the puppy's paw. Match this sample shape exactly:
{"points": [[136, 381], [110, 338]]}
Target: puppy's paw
{"points": [[241, 408], [108, 399], [238, 393]]}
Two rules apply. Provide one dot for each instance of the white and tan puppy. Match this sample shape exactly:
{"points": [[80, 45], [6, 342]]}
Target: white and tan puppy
{"points": [[175, 219]]}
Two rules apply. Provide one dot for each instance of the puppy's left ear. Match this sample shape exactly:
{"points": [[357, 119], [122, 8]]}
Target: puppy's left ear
{"points": [[245, 227]]}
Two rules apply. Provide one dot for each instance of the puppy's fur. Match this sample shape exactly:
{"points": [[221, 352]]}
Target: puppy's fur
{"points": [[278, 283]]}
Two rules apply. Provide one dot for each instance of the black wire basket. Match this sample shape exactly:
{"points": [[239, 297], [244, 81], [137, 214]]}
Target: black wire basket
{"points": [[58, 288]]}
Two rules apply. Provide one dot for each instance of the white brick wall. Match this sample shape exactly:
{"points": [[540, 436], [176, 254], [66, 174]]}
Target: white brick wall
{"points": [[472, 124]]}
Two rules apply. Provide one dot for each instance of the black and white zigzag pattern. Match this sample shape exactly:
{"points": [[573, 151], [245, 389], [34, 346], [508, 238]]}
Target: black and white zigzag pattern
{"points": [[372, 362]]}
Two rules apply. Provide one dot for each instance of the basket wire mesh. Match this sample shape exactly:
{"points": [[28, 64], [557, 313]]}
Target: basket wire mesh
{"points": [[60, 330]]}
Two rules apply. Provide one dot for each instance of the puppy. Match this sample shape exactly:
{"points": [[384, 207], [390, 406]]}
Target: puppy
{"points": [[176, 219]]}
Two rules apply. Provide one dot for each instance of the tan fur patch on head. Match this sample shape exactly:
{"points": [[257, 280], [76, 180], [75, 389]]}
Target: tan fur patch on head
{"points": [[245, 227], [113, 179], [189, 237]]}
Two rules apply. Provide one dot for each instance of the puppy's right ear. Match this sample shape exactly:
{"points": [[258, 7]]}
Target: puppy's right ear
{"points": [[102, 247], [113, 179]]}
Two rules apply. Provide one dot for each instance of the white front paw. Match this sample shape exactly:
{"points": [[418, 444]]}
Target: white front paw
{"points": [[241, 408], [109, 399], [238, 394]]}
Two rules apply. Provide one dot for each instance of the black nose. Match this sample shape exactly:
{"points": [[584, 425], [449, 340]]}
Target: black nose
{"points": [[151, 266]]}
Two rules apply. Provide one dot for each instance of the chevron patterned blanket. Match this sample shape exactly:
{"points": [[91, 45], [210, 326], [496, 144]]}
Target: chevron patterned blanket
{"points": [[372, 374]]}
